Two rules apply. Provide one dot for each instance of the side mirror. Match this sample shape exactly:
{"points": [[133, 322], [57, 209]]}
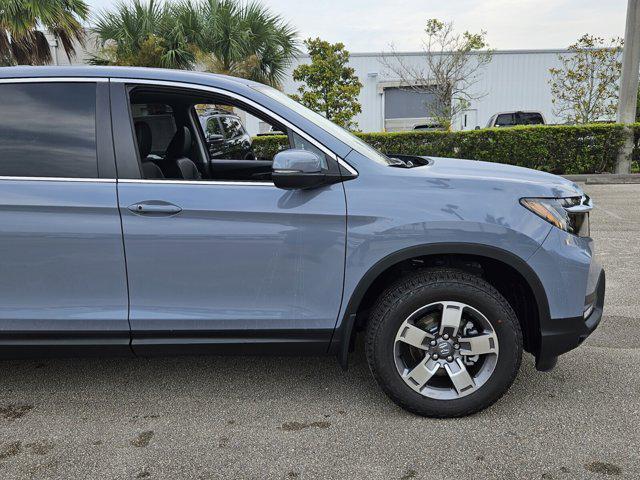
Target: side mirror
{"points": [[299, 169]]}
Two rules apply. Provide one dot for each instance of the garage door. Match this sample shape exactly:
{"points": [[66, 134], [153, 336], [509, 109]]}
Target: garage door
{"points": [[404, 109]]}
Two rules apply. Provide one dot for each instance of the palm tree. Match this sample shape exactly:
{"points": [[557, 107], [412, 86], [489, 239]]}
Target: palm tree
{"points": [[222, 36], [22, 40], [146, 34], [244, 40]]}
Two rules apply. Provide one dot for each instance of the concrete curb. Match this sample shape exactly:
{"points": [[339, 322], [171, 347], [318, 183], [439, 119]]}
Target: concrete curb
{"points": [[604, 178]]}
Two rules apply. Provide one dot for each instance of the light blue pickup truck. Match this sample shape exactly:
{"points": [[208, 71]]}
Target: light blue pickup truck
{"points": [[121, 238]]}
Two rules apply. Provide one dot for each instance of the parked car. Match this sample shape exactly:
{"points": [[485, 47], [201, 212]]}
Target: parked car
{"points": [[449, 268], [226, 136], [511, 119]]}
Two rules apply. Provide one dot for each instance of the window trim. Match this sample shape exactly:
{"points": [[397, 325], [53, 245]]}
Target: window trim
{"points": [[5, 178], [243, 99], [55, 80], [105, 160], [196, 182]]}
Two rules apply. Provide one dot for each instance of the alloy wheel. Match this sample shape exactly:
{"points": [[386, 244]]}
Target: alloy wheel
{"points": [[446, 350]]}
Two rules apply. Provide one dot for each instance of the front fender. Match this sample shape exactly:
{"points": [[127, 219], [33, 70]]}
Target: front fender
{"points": [[341, 338]]}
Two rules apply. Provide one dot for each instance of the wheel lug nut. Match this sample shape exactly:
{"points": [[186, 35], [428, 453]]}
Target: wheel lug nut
{"points": [[456, 346], [449, 358], [433, 343], [434, 356], [445, 336]]}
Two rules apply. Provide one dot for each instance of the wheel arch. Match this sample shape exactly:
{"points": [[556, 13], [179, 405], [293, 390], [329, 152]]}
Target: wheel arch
{"points": [[345, 333]]}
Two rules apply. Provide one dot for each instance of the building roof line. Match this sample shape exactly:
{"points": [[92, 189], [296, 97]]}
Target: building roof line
{"points": [[418, 53]]}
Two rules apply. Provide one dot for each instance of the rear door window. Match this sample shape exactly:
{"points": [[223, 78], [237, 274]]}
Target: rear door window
{"points": [[48, 130]]}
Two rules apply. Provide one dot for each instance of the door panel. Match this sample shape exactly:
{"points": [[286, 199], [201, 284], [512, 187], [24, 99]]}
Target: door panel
{"points": [[62, 263], [239, 263], [236, 258]]}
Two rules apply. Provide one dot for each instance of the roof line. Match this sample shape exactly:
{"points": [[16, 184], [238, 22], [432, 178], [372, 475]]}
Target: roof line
{"points": [[416, 53]]}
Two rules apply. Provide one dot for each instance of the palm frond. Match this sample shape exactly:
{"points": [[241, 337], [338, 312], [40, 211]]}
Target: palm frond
{"points": [[247, 40], [21, 37]]}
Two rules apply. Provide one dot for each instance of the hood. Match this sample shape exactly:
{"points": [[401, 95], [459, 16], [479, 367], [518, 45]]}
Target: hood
{"points": [[545, 184]]}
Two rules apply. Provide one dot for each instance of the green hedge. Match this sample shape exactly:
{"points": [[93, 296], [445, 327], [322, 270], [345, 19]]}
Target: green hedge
{"points": [[557, 149], [267, 146]]}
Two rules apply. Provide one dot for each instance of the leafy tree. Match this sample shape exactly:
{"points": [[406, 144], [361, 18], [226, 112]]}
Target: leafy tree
{"points": [[450, 73], [243, 40], [144, 34], [585, 87], [22, 40], [330, 87]]}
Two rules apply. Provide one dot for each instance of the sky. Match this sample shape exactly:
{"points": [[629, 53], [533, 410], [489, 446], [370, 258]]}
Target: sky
{"points": [[375, 25]]}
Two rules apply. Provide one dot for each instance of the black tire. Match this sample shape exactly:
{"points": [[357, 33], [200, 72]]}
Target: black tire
{"points": [[423, 288]]}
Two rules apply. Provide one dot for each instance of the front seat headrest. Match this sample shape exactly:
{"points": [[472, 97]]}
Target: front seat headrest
{"points": [[180, 145], [143, 137]]}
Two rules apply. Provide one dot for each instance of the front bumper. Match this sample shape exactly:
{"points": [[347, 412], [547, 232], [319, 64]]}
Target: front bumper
{"points": [[565, 334]]}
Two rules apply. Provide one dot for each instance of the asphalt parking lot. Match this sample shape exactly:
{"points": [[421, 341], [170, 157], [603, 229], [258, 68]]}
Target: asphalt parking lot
{"points": [[255, 417]]}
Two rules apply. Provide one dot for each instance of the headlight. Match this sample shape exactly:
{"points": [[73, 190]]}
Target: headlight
{"points": [[568, 214]]}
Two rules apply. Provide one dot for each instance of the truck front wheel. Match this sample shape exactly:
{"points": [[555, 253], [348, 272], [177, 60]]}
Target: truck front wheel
{"points": [[443, 343]]}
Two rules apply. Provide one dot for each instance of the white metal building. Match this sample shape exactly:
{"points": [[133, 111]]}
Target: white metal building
{"points": [[514, 80]]}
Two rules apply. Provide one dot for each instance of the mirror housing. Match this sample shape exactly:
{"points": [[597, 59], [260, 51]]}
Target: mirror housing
{"points": [[298, 169]]}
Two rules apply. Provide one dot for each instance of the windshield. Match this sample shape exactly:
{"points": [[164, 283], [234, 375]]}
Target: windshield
{"points": [[340, 133]]}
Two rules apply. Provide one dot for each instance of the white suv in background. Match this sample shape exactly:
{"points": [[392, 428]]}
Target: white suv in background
{"points": [[511, 119]]}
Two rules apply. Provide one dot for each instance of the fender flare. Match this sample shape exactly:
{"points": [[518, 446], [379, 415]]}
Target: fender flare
{"points": [[341, 338]]}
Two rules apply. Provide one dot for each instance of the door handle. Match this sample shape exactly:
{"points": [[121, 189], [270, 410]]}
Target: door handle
{"points": [[154, 208]]}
